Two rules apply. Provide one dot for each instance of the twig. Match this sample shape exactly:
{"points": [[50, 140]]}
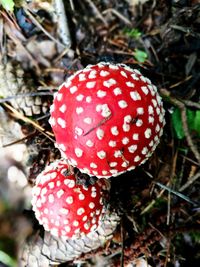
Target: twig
{"points": [[98, 125], [190, 181], [97, 12], [182, 108], [119, 15], [62, 23], [34, 20], [191, 104], [176, 193], [19, 116]]}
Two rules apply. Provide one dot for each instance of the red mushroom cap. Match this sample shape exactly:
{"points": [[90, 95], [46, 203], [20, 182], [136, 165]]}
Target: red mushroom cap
{"points": [[64, 208], [107, 119]]}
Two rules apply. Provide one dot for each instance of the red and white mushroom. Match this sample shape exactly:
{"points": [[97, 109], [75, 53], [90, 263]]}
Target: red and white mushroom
{"points": [[64, 208], [107, 119]]}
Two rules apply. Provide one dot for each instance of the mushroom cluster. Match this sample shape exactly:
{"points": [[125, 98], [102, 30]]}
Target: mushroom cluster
{"points": [[107, 119]]}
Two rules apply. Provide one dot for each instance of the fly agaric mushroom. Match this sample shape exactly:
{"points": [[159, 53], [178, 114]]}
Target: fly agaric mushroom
{"points": [[107, 119], [64, 208]]}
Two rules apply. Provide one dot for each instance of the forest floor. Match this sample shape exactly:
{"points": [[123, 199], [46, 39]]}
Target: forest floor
{"points": [[159, 201]]}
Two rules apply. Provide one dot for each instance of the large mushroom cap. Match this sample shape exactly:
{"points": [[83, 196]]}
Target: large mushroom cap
{"points": [[64, 208], [107, 119]]}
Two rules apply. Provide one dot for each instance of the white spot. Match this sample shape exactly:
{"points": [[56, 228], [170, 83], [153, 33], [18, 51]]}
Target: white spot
{"points": [[144, 151], [132, 148], [109, 83], [105, 111], [66, 221], [144, 79], [101, 154], [137, 158], [52, 121], [139, 123], [125, 141], [154, 103], [59, 96], [114, 130], [98, 108], [117, 154], [51, 198], [67, 229], [157, 128], [123, 73], [130, 84], [100, 134], [72, 162], [125, 164], [88, 120], [150, 110], [63, 108], [117, 91], [73, 89], [46, 211], [80, 211], [161, 118], [158, 110], [112, 143], [75, 223], [151, 119], [126, 127], [51, 185], [70, 183], [81, 77], [92, 74], [90, 85], [147, 133], [135, 136], [60, 193], [64, 211], [69, 200], [137, 71], [122, 104], [57, 223], [84, 218], [89, 143], [86, 170], [156, 138], [114, 171], [140, 111], [135, 95], [54, 231], [79, 97], [93, 165], [101, 93], [91, 205], [78, 152], [88, 99], [58, 183], [151, 143], [78, 131], [52, 108], [79, 110], [86, 226], [135, 77], [81, 196], [93, 194], [104, 73], [61, 122], [104, 172], [145, 90], [113, 67], [113, 164]]}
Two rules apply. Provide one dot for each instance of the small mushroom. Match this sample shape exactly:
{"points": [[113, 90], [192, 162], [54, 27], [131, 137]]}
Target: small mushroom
{"points": [[107, 119], [64, 208]]}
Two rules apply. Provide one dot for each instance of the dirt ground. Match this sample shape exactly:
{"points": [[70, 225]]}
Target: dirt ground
{"points": [[159, 202]]}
